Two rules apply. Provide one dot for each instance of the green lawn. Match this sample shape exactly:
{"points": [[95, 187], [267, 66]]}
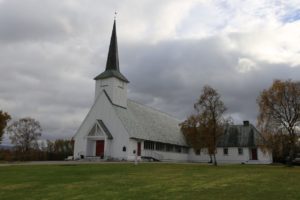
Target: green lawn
{"points": [[149, 181]]}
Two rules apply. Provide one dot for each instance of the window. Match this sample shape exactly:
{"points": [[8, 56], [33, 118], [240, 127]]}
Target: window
{"points": [[177, 149], [160, 146], [225, 151], [198, 151], [96, 131], [124, 148], [149, 145], [240, 150], [169, 147]]}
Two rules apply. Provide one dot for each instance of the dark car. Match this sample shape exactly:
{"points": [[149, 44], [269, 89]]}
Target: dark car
{"points": [[296, 161]]}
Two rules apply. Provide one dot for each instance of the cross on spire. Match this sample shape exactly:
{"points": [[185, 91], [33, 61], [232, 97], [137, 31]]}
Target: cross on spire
{"points": [[115, 15]]}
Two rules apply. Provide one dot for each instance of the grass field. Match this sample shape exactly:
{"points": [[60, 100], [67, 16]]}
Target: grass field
{"points": [[149, 181]]}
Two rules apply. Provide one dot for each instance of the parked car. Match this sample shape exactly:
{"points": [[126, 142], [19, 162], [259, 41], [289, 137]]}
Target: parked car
{"points": [[296, 161], [69, 158]]}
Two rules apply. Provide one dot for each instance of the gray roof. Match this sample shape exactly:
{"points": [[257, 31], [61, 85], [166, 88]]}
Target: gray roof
{"points": [[142, 122], [111, 73], [240, 136]]}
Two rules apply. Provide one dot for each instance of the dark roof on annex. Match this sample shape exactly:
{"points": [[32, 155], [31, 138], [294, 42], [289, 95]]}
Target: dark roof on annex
{"points": [[241, 136]]}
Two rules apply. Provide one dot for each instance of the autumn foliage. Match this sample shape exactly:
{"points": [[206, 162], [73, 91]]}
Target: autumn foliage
{"points": [[203, 129], [279, 115], [4, 118]]}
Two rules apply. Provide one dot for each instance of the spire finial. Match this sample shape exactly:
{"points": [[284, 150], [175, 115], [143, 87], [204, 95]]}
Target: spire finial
{"points": [[115, 14]]}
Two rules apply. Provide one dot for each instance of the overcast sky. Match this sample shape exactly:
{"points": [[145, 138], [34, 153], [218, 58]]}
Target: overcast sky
{"points": [[50, 51]]}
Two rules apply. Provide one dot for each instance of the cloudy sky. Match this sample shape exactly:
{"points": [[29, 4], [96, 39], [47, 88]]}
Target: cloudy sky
{"points": [[50, 51]]}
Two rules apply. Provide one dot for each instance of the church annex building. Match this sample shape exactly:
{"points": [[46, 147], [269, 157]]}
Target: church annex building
{"points": [[118, 128]]}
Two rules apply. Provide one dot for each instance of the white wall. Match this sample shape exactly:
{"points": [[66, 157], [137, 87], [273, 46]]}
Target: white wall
{"points": [[203, 157], [232, 157], [173, 156], [79, 147], [263, 158], [102, 109], [115, 88], [91, 148], [166, 156], [132, 146]]}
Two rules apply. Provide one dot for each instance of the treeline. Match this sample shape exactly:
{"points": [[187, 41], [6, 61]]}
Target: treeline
{"points": [[24, 134], [51, 150]]}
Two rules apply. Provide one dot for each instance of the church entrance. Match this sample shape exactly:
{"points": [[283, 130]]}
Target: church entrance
{"points": [[100, 148], [139, 149]]}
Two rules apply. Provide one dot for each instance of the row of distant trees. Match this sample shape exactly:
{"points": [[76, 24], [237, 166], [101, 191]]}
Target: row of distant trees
{"points": [[278, 120], [24, 135]]}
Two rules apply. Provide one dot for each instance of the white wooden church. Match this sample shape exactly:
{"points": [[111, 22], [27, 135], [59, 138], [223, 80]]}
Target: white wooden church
{"points": [[118, 128]]}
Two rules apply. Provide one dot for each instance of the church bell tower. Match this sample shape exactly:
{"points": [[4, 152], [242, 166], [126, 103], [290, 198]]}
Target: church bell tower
{"points": [[112, 81]]}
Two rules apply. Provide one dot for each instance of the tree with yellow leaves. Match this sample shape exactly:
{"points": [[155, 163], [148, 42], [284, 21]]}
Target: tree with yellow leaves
{"points": [[203, 129], [279, 112], [4, 118]]}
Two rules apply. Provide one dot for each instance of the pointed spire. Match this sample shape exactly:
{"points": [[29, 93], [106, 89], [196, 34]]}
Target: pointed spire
{"points": [[112, 64]]}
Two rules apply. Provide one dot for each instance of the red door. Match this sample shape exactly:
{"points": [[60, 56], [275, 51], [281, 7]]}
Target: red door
{"points": [[139, 149], [100, 148], [254, 154]]}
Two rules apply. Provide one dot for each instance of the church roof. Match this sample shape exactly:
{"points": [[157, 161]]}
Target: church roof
{"points": [[143, 122], [112, 63], [111, 73], [241, 136]]}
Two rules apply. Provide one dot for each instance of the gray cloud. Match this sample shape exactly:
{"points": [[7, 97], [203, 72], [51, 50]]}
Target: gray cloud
{"points": [[32, 20], [170, 75], [51, 51]]}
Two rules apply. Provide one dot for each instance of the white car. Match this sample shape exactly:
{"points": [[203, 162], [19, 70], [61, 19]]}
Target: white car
{"points": [[69, 158]]}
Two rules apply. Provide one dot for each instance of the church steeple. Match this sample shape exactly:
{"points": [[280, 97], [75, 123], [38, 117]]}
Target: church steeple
{"points": [[112, 82], [112, 64]]}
